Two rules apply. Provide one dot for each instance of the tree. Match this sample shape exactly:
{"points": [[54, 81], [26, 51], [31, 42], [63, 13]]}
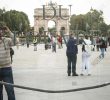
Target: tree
{"points": [[2, 23], [93, 20], [15, 20], [104, 28], [78, 22]]}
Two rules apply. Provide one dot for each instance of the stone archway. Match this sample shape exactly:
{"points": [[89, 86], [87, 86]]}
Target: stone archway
{"points": [[60, 22]]}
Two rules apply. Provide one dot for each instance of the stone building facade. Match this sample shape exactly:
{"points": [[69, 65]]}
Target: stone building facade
{"points": [[53, 13]]}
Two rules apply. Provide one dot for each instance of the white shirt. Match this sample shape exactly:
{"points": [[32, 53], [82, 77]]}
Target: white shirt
{"points": [[88, 45]]}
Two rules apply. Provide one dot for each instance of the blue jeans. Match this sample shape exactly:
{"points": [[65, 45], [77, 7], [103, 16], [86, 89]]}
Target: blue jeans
{"points": [[102, 52], [7, 76]]}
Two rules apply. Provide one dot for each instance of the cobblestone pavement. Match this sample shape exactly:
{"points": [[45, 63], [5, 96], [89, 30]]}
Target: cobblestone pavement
{"points": [[44, 69]]}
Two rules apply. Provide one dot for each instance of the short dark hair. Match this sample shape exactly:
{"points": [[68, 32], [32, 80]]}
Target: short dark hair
{"points": [[86, 37], [71, 35], [3, 28]]}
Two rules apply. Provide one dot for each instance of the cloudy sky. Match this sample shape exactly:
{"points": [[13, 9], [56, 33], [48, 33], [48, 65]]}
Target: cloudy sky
{"points": [[78, 6]]}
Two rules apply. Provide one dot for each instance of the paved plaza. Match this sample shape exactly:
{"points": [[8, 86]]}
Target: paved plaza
{"points": [[44, 69]]}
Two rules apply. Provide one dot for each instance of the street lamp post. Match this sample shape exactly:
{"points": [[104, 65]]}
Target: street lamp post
{"points": [[91, 10], [14, 36], [14, 26], [3, 14], [69, 17]]}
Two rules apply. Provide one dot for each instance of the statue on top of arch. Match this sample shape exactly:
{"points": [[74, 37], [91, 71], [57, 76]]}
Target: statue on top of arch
{"points": [[52, 4]]}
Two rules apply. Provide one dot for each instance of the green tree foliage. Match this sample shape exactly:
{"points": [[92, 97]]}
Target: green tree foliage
{"points": [[104, 28], [77, 22], [2, 23], [15, 20], [93, 20]]}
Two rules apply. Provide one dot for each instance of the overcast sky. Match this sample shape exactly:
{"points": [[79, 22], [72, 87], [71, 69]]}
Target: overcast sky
{"points": [[78, 6]]}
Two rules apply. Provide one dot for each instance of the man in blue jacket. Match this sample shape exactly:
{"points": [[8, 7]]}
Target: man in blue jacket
{"points": [[71, 53]]}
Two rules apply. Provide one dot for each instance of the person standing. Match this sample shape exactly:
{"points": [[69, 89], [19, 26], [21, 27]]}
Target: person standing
{"points": [[6, 74], [59, 41], [71, 53], [35, 43], [54, 43], [86, 53], [109, 41], [11, 54]]}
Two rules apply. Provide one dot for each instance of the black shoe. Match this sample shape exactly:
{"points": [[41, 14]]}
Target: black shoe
{"points": [[69, 74], [74, 74], [82, 74], [89, 74]]}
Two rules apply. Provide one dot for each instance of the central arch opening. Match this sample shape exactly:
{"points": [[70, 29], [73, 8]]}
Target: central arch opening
{"points": [[51, 24], [52, 27]]}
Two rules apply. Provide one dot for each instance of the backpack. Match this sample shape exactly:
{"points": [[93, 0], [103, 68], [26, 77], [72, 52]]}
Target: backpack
{"points": [[11, 51]]}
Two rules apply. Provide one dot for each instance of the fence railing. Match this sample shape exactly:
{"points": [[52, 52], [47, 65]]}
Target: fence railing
{"points": [[57, 91]]}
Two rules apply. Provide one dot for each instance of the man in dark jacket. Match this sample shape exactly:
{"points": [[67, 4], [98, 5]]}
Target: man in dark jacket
{"points": [[71, 53], [102, 48]]}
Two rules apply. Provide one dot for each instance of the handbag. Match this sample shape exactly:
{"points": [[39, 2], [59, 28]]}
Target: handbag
{"points": [[88, 54]]}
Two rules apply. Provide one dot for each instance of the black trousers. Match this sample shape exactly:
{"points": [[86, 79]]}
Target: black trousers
{"points": [[72, 59]]}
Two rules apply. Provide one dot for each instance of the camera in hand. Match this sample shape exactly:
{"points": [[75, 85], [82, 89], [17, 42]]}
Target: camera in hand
{"points": [[4, 28]]}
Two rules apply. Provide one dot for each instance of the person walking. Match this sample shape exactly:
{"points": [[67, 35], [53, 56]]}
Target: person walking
{"points": [[71, 53], [86, 53], [102, 48], [6, 74]]}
